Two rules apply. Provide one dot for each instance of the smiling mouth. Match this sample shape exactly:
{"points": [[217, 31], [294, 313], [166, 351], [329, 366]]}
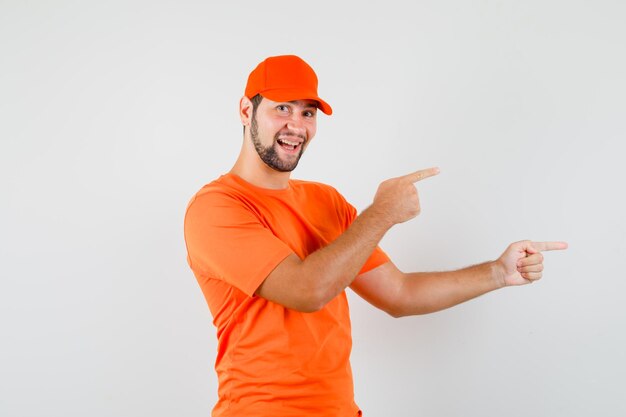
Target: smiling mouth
{"points": [[289, 145]]}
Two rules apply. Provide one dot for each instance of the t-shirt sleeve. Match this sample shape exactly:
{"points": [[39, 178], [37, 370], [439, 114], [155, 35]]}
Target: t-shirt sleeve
{"points": [[227, 241]]}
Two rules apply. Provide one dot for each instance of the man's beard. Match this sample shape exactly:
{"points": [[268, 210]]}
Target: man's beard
{"points": [[269, 154]]}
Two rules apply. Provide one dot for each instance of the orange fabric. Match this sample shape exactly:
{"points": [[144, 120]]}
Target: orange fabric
{"points": [[271, 360], [285, 78]]}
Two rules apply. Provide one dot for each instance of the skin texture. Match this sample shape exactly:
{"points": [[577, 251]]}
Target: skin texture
{"points": [[297, 119], [269, 152], [308, 284]]}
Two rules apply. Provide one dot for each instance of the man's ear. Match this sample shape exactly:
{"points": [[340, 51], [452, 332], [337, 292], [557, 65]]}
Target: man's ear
{"points": [[245, 111]]}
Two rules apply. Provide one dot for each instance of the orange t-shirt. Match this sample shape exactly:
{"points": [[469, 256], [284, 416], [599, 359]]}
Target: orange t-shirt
{"points": [[271, 360]]}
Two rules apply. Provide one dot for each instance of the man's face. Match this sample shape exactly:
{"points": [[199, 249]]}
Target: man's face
{"points": [[280, 131]]}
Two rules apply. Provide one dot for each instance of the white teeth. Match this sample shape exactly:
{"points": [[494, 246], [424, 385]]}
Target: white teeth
{"points": [[285, 141]]}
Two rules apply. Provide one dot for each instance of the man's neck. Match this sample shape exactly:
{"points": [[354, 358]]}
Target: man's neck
{"points": [[257, 173]]}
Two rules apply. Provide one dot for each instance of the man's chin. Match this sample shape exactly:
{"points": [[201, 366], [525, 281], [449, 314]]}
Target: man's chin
{"points": [[283, 168], [275, 159], [286, 166]]}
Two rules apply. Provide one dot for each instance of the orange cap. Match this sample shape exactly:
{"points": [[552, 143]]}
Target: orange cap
{"points": [[285, 78]]}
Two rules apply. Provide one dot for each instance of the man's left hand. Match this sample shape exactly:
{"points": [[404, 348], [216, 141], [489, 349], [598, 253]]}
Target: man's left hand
{"points": [[522, 262]]}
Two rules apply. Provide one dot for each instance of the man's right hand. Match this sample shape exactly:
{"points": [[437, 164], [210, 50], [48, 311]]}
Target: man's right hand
{"points": [[397, 199]]}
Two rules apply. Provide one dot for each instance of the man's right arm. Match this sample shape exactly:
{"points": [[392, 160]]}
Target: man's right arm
{"points": [[307, 285]]}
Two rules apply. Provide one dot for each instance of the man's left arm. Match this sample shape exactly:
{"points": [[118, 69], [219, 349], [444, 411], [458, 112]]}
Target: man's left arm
{"points": [[404, 294]]}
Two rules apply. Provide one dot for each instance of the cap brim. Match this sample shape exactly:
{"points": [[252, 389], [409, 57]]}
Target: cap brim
{"points": [[291, 95]]}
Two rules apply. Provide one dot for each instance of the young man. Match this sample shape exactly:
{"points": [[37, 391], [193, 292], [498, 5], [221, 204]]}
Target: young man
{"points": [[273, 256]]}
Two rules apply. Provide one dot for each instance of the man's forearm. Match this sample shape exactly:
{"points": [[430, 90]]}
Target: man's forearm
{"points": [[335, 266], [396, 201], [427, 292], [308, 284]]}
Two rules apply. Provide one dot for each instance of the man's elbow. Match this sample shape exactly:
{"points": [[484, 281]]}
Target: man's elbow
{"points": [[307, 300], [395, 312], [399, 310], [303, 300], [415, 311], [315, 299]]}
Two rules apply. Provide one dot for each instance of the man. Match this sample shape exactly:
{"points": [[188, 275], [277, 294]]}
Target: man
{"points": [[274, 255]]}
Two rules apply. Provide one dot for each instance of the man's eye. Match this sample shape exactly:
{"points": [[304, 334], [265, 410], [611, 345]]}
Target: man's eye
{"points": [[309, 114], [282, 108]]}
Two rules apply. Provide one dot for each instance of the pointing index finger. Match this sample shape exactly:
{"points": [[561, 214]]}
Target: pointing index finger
{"points": [[421, 174], [545, 246]]}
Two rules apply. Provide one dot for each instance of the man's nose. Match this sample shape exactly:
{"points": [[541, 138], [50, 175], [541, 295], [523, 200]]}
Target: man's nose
{"points": [[296, 124]]}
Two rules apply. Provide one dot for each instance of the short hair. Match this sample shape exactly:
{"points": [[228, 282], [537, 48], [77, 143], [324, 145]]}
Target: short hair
{"points": [[256, 100]]}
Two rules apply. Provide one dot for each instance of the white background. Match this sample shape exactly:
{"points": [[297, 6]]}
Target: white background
{"points": [[113, 113]]}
